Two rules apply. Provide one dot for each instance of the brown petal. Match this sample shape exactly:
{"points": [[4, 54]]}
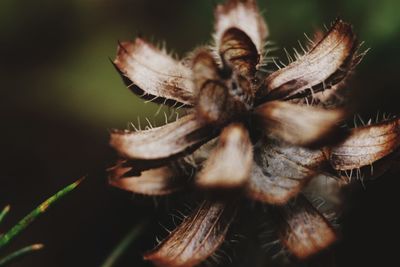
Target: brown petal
{"points": [[243, 15], [335, 97], [213, 95], [237, 49], [196, 238], [215, 104], [204, 67], [230, 162], [154, 182], [370, 172], [366, 145], [304, 231], [281, 171], [296, 124], [162, 142], [324, 66], [153, 74]]}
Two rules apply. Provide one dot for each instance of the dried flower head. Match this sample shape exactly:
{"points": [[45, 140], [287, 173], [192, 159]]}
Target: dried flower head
{"points": [[257, 135]]}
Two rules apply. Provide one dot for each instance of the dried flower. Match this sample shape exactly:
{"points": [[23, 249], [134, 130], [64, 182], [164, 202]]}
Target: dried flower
{"points": [[263, 136]]}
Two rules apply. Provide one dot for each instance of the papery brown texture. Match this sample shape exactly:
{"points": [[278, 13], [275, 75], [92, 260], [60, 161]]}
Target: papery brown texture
{"points": [[299, 125], [153, 74], [239, 52], [154, 182], [229, 164], [196, 238], [367, 144], [280, 171], [205, 69], [247, 132], [161, 142], [324, 66], [243, 15], [213, 103], [304, 231]]}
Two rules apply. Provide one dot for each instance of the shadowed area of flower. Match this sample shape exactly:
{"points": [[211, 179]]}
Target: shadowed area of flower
{"points": [[263, 136]]}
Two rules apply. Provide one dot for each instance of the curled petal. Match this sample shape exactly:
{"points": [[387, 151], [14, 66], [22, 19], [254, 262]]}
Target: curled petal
{"points": [[323, 67], [204, 68], [280, 171], [153, 74], [213, 95], [162, 142], [304, 231], [239, 52], [213, 103], [366, 145], [154, 182], [299, 125], [230, 162], [243, 15], [197, 238]]}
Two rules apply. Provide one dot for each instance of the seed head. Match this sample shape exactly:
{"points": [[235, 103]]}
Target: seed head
{"points": [[247, 134]]}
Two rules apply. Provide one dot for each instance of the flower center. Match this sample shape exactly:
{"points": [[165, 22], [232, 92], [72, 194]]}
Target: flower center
{"points": [[221, 101]]}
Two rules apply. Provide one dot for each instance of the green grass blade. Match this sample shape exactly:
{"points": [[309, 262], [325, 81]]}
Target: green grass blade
{"points": [[20, 253], [4, 212], [123, 245], [28, 219]]}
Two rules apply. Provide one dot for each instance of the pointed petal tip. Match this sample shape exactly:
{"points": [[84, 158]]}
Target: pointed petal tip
{"points": [[163, 142], [327, 63], [366, 145], [154, 182], [229, 165], [153, 74], [244, 15]]}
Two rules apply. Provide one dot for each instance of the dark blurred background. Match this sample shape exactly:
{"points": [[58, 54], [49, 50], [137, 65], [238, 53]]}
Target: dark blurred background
{"points": [[59, 96]]}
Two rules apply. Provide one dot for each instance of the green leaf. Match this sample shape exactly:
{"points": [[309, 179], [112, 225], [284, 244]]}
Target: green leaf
{"points": [[4, 212], [28, 219], [20, 253], [123, 245]]}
